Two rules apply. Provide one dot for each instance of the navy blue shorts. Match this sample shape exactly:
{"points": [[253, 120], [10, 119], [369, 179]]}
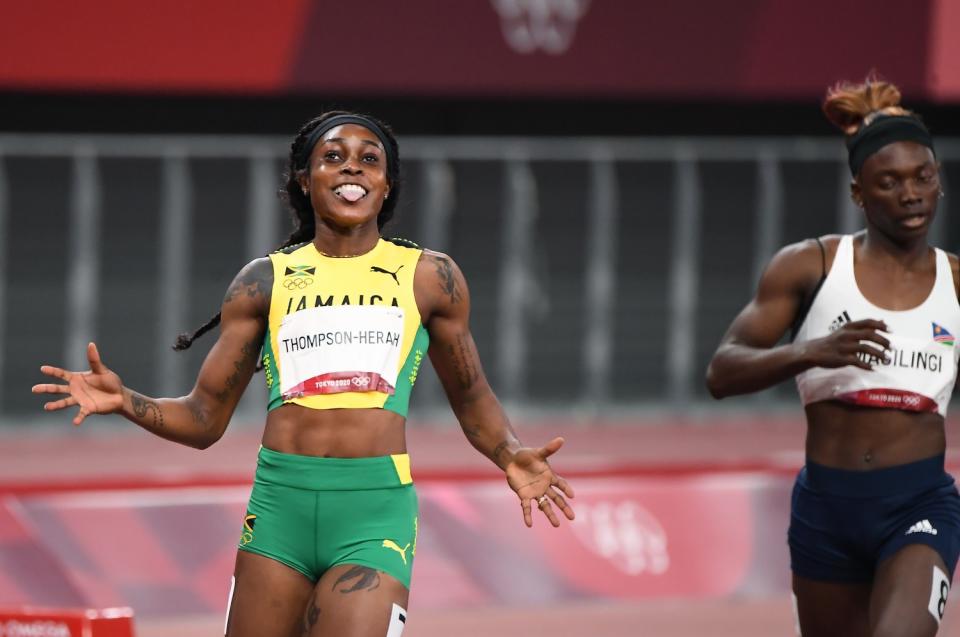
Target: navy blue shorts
{"points": [[844, 523]]}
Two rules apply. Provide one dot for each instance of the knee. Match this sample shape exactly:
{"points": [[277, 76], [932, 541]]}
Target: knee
{"points": [[898, 624]]}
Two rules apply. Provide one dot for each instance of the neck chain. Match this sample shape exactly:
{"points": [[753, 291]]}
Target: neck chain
{"points": [[342, 256]]}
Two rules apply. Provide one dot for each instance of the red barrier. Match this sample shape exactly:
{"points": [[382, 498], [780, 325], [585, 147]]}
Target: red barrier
{"points": [[51, 622]]}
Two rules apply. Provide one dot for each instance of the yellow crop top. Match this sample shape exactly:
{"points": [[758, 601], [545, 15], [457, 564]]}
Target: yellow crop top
{"points": [[344, 332]]}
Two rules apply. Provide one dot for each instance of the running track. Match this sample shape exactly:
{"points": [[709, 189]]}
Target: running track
{"points": [[112, 454]]}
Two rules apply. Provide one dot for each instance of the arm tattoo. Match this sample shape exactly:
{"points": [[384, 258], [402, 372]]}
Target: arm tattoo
{"points": [[500, 449], [464, 365], [141, 406], [366, 579], [448, 282], [248, 354], [199, 414], [252, 281], [472, 431]]}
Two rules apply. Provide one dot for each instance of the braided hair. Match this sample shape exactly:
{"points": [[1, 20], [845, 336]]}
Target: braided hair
{"points": [[299, 203]]}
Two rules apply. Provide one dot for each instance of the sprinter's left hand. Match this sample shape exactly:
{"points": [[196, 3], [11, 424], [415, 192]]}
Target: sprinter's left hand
{"points": [[531, 477]]}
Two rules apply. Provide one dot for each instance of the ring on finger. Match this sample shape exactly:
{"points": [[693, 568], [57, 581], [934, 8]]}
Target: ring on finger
{"points": [[541, 500]]}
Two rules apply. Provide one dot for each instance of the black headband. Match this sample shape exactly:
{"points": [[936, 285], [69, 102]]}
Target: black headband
{"points": [[338, 120], [884, 130]]}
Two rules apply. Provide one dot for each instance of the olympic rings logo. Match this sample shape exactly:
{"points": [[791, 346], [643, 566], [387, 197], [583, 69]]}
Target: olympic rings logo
{"points": [[913, 401], [360, 381], [245, 538], [298, 283]]}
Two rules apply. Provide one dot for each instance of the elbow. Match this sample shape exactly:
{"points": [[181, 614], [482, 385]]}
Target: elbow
{"points": [[715, 384], [208, 424], [208, 438], [204, 443]]}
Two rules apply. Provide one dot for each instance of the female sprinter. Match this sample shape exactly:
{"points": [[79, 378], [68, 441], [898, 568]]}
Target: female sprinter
{"points": [[875, 520], [341, 320]]}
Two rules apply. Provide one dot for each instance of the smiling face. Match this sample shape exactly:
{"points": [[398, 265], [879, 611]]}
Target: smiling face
{"points": [[898, 188], [346, 176]]}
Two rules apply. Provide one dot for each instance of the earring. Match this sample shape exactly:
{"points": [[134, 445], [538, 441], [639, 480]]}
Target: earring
{"points": [[940, 194], [386, 194], [306, 191]]}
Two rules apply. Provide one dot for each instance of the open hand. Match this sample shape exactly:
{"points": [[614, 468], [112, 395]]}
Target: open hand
{"points": [[96, 391], [534, 481]]}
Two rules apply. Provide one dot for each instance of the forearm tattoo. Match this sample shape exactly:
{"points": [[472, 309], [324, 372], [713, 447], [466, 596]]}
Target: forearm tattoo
{"points": [[464, 361], [500, 449], [142, 405], [366, 579], [472, 431], [248, 356], [252, 281], [448, 282]]}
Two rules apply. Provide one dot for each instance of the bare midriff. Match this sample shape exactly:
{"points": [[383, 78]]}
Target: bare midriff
{"points": [[851, 437], [334, 433]]}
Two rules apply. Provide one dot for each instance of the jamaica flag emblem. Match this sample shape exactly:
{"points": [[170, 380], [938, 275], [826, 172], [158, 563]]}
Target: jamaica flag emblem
{"points": [[300, 270], [297, 277]]}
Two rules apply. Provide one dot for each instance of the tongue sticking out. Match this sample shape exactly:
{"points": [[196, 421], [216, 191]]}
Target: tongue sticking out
{"points": [[351, 193]]}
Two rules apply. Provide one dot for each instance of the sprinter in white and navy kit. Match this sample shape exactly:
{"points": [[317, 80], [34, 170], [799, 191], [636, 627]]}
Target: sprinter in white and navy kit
{"points": [[875, 519]]}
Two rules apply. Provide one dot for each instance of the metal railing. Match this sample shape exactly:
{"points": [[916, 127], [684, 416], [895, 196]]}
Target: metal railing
{"points": [[435, 213]]}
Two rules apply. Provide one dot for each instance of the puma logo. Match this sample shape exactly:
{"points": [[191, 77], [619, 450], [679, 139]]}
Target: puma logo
{"points": [[375, 268], [393, 546]]}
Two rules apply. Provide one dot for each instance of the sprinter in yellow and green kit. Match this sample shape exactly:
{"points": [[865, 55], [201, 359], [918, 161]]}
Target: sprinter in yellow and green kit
{"points": [[341, 321]]}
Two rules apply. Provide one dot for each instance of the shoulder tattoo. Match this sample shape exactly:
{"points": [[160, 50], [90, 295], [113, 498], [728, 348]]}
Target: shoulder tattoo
{"points": [[447, 278], [254, 280]]}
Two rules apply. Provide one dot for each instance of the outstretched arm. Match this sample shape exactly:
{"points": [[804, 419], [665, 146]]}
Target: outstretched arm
{"points": [[441, 288], [199, 418], [748, 358]]}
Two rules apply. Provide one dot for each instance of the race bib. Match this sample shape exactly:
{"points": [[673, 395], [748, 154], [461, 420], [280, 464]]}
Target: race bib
{"points": [[916, 375], [330, 350]]}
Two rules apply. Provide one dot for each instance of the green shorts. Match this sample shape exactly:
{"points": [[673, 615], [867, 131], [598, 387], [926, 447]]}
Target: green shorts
{"points": [[314, 513]]}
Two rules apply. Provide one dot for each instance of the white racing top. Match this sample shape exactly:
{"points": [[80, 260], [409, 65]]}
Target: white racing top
{"points": [[922, 362]]}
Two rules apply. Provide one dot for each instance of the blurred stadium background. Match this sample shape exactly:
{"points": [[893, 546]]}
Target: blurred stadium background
{"points": [[610, 175]]}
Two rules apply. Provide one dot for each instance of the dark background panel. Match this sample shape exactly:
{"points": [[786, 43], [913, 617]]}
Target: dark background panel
{"points": [[557, 310], [36, 276], [476, 244], [217, 249], [811, 195], [431, 115], [727, 245], [130, 268], [39, 191], [646, 216]]}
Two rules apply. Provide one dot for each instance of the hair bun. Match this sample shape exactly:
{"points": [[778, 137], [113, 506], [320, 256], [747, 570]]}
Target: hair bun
{"points": [[847, 105]]}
